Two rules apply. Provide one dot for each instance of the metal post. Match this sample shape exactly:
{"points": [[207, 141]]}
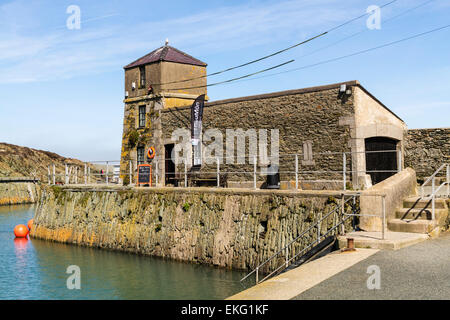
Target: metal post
{"points": [[257, 271], [65, 175], [342, 214], [54, 174], [89, 175], [432, 197], [318, 228], [383, 199], [344, 170], [107, 171], [156, 173], [76, 175], [49, 175], [448, 180], [254, 172], [131, 176], [296, 171], [85, 173], [185, 174], [218, 172], [287, 256]]}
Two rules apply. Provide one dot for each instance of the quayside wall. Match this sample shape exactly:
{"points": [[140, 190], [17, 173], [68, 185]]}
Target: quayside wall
{"points": [[18, 192], [232, 228]]}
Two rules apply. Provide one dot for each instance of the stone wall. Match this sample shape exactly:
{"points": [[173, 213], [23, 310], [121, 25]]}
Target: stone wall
{"points": [[426, 150], [302, 116], [228, 228], [396, 188], [18, 193]]}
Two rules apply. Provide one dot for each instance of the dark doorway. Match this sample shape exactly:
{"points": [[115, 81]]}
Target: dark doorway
{"points": [[169, 164], [386, 162]]}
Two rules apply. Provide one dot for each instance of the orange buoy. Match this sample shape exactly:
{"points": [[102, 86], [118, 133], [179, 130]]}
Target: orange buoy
{"points": [[21, 231], [30, 223]]}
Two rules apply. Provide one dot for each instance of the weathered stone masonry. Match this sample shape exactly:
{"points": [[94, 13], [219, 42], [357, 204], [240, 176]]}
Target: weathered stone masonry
{"points": [[298, 115], [330, 122], [427, 149], [18, 193], [317, 123], [227, 228]]}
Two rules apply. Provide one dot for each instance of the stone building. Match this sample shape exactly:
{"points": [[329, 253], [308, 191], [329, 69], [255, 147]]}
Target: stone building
{"points": [[151, 84], [426, 150], [318, 124]]}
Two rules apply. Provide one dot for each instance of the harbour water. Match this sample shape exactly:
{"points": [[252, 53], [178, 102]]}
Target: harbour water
{"points": [[36, 269]]}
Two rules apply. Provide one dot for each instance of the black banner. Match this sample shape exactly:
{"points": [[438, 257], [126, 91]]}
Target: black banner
{"points": [[196, 128]]}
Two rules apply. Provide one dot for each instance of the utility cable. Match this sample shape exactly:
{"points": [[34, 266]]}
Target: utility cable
{"points": [[275, 53]]}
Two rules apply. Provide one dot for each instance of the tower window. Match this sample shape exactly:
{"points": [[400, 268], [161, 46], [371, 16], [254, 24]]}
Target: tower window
{"points": [[140, 155], [142, 77], [142, 116]]}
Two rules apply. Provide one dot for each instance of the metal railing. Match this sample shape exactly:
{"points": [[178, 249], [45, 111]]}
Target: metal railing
{"points": [[284, 160], [337, 167], [434, 190], [340, 218], [93, 172], [339, 221]]}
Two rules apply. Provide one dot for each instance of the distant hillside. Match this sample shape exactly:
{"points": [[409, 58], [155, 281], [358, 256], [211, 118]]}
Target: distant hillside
{"points": [[17, 161]]}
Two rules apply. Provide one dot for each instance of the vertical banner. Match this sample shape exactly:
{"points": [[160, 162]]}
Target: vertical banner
{"points": [[196, 128]]}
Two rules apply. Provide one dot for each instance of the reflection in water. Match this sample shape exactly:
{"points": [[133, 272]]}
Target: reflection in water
{"points": [[36, 269]]}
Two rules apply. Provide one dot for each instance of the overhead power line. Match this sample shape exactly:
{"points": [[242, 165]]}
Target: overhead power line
{"points": [[277, 52], [352, 54], [242, 65], [239, 78]]}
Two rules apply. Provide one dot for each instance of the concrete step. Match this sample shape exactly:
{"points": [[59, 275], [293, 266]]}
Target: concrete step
{"points": [[373, 239], [414, 226], [420, 214], [416, 202]]}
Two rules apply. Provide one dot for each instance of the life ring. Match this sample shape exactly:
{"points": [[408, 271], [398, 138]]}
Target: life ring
{"points": [[151, 153]]}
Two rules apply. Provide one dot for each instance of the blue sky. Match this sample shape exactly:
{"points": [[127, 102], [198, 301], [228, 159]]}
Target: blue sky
{"points": [[62, 90]]}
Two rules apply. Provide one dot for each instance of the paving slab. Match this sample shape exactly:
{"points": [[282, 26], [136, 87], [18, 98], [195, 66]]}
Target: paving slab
{"points": [[418, 272], [292, 283], [373, 240]]}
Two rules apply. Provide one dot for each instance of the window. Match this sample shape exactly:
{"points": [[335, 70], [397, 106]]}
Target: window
{"points": [[142, 77], [140, 155], [142, 116]]}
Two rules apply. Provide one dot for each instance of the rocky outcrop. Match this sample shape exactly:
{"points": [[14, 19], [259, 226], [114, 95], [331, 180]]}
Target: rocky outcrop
{"points": [[17, 161], [227, 228]]}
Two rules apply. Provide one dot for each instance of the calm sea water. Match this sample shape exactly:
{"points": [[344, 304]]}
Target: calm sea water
{"points": [[36, 269]]}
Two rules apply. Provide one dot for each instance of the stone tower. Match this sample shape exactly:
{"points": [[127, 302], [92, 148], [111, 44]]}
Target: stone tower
{"points": [[164, 78]]}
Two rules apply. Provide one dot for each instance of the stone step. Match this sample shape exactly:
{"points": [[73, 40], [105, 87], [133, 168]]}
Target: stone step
{"points": [[414, 226], [424, 203], [420, 214]]}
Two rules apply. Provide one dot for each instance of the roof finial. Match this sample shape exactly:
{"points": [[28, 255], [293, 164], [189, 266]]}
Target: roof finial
{"points": [[167, 41]]}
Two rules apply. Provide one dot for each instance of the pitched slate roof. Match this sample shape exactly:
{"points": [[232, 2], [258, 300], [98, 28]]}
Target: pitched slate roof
{"points": [[166, 53]]}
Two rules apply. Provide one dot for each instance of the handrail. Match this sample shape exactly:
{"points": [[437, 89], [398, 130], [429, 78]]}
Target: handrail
{"points": [[304, 249], [435, 190], [286, 247]]}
